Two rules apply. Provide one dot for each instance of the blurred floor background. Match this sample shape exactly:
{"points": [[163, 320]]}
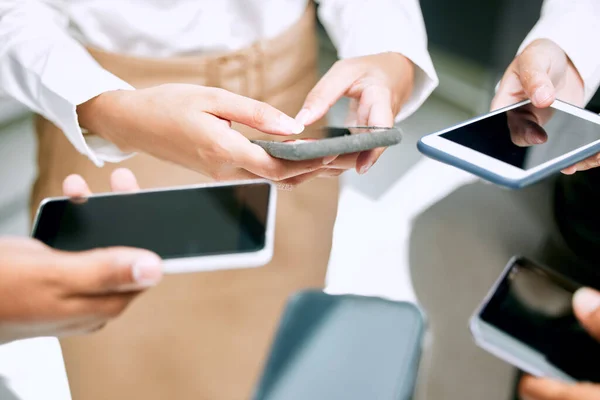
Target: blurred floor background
{"points": [[411, 229]]}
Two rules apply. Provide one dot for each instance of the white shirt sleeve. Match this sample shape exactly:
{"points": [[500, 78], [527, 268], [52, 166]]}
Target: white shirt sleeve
{"points": [[51, 73], [575, 27], [361, 27]]}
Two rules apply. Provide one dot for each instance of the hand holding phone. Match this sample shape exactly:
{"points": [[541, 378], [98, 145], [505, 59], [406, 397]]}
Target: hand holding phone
{"points": [[518, 145], [193, 228], [586, 305], [528, 320]]}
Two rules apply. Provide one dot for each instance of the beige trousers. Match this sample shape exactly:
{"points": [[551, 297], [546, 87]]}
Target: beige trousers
{"points": [[204, 335]]}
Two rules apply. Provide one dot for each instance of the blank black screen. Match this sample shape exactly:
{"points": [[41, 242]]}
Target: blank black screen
{"points": [[491, 136], [174, 223], [533, 305]]}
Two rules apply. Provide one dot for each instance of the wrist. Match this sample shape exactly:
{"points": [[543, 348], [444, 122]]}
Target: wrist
{"points": [[100, 115]]}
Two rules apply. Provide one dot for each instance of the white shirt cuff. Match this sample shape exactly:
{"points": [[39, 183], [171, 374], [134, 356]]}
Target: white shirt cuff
{"points": [[65, 85]]}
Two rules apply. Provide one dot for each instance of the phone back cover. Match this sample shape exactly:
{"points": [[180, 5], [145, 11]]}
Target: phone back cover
{"points": [[344, 347]]}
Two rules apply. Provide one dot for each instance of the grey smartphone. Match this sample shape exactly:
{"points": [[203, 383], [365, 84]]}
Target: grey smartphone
{"points": [[344, 347], [336, 141], [527, 320]]}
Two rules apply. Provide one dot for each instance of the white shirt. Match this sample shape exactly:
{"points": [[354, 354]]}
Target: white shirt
{"points": [[574, 25], [43, 63]]}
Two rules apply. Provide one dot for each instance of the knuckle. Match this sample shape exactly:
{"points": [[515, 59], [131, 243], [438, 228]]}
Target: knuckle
{"points": [[214, 93], [259, 114]]}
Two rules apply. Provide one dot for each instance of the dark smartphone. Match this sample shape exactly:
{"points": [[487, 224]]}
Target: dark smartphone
{"points": [[344, 347], [192, 228], [336, 141], [528, 320]]}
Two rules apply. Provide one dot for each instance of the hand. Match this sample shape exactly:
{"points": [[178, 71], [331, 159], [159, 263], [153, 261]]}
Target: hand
{"points": [[586, 304], [378, 86], [190, 125], [542, 73], [45, 292]]}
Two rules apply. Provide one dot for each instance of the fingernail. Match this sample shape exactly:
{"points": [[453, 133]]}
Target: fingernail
{"points": [[329, 159], [365, 168], [303, 116], [542, 94], [586, 301], [147, 270], [290, 125]]}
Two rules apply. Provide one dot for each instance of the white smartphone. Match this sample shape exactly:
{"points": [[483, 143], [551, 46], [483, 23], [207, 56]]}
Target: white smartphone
{"points": [[527, 320], [193, 228], [518, 145]]}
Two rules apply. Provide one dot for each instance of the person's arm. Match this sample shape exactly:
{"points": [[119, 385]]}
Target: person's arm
{"points": [[44, 68], [575, 27], [359, 28], [559, 59], [47, 70]]}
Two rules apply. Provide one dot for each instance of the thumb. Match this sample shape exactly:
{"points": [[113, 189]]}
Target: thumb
{"points": [[547, 389], [534, 68], [586, 303], [111, 270]]}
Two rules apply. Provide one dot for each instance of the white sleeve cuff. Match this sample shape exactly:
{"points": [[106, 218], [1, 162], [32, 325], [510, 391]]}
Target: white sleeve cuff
{"points": [[575, 28], [359, 29], [67, 86]]}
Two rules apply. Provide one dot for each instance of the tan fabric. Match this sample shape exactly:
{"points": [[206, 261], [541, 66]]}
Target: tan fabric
{"points": [[204, 335]]}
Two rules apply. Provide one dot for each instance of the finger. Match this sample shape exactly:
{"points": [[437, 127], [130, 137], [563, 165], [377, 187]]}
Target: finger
{"points": [[108, 270], [289, 184], [510, 90], [380, 115], [344, 161], [531, 388], [534, 68], [96, 310], [75, 186], [225, 122], [123, 180], [110, 306], [588, 163], [255, 160], [253, 113], [366, 159], [330, 172], [327, 92], [570, 170], [351, 117], [586, 303]]}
